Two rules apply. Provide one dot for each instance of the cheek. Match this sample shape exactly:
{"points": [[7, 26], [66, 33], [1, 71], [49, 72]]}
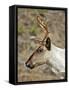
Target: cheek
{"points": [[47, 55]]}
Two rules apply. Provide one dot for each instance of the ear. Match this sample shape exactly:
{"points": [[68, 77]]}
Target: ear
{"points": [[48, 44]]}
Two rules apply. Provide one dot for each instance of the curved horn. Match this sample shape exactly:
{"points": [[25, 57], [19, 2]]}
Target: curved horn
{"points": [[42, 24]]}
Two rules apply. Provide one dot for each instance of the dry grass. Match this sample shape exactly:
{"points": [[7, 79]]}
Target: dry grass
{"points": [[27, 27]]}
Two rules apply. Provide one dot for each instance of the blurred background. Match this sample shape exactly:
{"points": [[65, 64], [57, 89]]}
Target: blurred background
{"points": [[28, 28]]}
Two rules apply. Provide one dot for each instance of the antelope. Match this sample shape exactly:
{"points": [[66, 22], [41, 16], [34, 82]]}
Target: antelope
{"points": [[54, 56]]}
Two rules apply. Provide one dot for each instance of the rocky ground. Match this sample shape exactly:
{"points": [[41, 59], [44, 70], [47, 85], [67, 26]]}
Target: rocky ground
{"points": [[28, 27]]}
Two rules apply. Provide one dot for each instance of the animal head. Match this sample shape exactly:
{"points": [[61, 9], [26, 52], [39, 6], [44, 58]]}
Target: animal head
{"points": [[46, 42]]}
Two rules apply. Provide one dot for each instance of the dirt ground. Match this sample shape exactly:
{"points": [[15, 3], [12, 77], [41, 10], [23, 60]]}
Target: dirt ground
{"points": [[28, 27]]}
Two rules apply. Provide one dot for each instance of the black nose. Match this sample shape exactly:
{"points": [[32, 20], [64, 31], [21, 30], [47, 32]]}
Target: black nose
{"points": [[31, 66]]}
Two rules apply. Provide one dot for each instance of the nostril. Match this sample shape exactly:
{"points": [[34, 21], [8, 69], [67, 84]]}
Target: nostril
{"points": [[29, 66]]}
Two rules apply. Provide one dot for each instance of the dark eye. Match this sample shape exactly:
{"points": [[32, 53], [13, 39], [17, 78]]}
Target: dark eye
{"points": [[48, 43], [40, 50]]}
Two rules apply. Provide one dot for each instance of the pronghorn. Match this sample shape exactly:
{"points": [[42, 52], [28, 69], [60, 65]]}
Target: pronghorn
{"points": [[54, 56]]}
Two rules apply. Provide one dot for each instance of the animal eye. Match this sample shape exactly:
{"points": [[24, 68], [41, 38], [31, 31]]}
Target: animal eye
{"points": [[40, 50]]}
